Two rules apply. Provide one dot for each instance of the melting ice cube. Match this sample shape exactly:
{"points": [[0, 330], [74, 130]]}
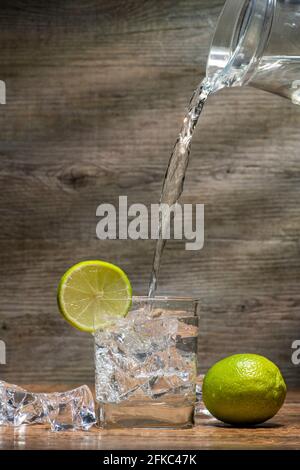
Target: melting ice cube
{"points": [[74, 409]]}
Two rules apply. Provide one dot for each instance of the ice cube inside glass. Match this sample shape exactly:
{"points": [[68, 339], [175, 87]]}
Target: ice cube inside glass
{"points": [[146, 365]]}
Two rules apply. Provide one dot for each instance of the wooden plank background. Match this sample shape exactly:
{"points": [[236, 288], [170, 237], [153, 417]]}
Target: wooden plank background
{"points": [[96, 92]]}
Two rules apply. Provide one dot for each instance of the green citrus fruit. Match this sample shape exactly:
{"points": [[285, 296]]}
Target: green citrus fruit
{"points": [[90, 292], [244, 389]]}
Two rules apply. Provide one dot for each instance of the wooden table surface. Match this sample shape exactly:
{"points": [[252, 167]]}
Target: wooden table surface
{"points": [[282, 432]]}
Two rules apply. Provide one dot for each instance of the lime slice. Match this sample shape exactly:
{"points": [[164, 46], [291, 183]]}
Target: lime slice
{"points": [[90, 292]]}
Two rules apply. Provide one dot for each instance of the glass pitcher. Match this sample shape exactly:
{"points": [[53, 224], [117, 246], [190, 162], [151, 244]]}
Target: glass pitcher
{"points": [[257, 43]]}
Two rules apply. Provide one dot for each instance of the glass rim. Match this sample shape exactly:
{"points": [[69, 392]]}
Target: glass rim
{"points": [[166, 298], [235, 28]]}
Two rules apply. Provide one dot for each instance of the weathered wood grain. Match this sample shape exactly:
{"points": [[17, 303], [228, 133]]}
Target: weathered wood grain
{"points": [[282, 432], [96, 92]]}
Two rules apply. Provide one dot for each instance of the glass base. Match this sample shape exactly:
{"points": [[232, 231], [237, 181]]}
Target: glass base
{"points": [[137, 414]]}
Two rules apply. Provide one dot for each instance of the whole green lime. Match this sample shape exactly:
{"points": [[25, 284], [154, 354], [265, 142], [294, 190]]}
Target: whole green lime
{"points": [[244, 389]]}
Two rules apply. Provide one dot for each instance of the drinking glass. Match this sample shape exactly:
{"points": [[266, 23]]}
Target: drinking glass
{"points": [[146, 365]]}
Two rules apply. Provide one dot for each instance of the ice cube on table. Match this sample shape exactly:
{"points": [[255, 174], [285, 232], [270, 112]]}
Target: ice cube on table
{"points": [[201, 412], [17, 406], [74, 409]]}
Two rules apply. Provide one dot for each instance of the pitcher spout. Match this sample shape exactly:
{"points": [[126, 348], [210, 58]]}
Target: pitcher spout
{"points": [[257, 43]]}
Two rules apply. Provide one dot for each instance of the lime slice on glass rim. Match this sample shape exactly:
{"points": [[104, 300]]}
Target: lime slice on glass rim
{"points": [[91, 292]]}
